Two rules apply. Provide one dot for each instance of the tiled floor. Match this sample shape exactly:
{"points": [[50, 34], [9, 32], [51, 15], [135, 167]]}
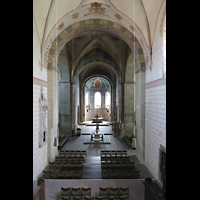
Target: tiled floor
{"points": [[93, 179]]}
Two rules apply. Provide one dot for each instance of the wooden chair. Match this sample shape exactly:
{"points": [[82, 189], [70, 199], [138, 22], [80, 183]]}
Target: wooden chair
{"points": [[131, 165], [73, 152], [125, 197], [110, 166], [119, 153], [114, 191], [77, 198], [76, 191], [83, 153], [46, 174], [54, 175], [104, 166], [66, 165], [113, 153], [124, 152], [112, 174], [77, 174], [69, 174], [111, 197], [79, 166], [135, 174], [117, 166], [88, 198], [119, 174], [52, 165], [104, 174], [124, 165], [103, 159], [103, 191], [65, 191], [61, 174], [124, 191], [65, 198], [86, 191], [59, 165], [100, 198]]}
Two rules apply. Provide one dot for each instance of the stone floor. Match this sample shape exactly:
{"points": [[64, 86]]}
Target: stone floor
{"points": [[92, 161]]}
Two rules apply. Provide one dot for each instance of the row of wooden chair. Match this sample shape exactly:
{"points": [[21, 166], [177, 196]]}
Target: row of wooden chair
{"points": [[117, 166], [115, 158], [113, 191], [73, 153], [96, 198], [66, 165], [70, 159], [120, 174], [114, 152], [75, 191], [75, 174]]}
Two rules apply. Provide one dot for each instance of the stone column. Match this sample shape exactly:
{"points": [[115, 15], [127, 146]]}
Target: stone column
{"points": [[140, 114], [52, 93], [129, 108], [64, 109]]}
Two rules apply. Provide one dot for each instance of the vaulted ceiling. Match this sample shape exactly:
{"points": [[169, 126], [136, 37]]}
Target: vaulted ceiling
{"points": [[50, 13], [51, 17]]}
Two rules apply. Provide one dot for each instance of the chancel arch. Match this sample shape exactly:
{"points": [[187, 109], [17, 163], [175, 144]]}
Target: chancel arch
{"points": [[97, 88]]}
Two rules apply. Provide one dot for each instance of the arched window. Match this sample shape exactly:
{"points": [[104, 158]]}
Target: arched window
{"points": [[107, 100], [97, 100]]}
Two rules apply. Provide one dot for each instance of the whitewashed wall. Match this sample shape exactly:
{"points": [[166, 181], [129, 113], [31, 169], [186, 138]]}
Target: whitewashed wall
{"points": [[155, 102]]}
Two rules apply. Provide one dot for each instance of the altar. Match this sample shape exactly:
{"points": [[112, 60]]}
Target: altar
{"points": [[96, 136], [97, 118]]}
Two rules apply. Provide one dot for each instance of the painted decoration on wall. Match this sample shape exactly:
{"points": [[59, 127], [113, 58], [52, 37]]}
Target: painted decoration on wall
{"points": [[117, 16], [75, 15], [97, 83], [96, 8], [60, 26]]}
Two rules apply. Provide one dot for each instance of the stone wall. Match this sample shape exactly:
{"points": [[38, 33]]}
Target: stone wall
{"points": [[155, 125]]}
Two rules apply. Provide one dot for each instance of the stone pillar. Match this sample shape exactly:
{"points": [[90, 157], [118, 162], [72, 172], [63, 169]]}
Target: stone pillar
{"points": [[64, 109], [75, 103], [129, 108], [52, 93], [140, 114]]}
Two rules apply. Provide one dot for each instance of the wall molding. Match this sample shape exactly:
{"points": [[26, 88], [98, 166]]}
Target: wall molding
{"points": [[158, 82], [40, 82]]}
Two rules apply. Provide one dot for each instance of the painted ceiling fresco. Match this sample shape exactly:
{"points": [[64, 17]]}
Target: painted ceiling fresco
{"points": [[97, 83]]}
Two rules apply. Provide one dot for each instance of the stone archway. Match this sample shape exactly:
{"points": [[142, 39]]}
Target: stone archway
{"points": [[95, 25], [90, 25]]}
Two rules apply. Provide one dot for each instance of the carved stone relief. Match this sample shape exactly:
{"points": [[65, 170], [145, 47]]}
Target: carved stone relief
{"points": [[43, 107]]}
